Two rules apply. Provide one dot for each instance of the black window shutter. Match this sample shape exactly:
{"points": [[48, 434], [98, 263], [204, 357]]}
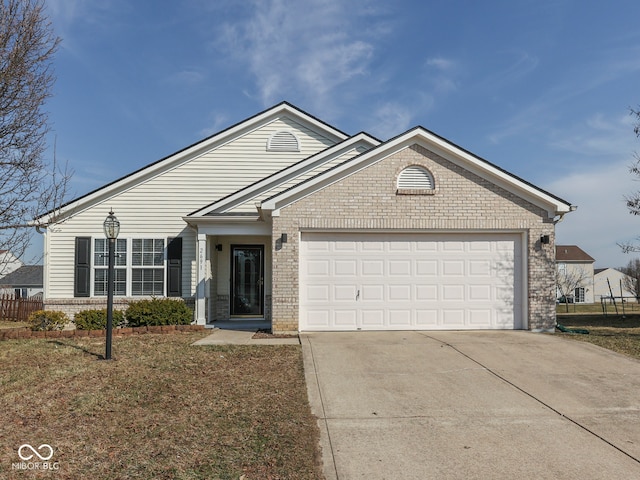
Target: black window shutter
{"points": [[174, 267], [82, 277]]}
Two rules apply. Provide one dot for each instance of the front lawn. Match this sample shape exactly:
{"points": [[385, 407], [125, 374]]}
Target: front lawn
{"points": [[162, 409], [616, 333]]}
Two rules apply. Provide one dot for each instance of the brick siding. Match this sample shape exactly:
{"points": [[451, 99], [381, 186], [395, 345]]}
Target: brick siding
{"points": [[369, 200]]}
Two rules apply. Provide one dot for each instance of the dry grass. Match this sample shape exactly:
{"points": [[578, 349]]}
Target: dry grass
{"points": [[617, 333], [11, 324], [162, 409]]}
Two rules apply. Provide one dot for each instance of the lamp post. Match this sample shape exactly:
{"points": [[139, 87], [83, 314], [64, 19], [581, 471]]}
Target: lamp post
{"points": [[111, 227]]}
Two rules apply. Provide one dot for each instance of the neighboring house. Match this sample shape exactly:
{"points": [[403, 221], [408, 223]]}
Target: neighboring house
{"points": [[575, 266], [286, 218], [616, 279], [8, 263], [24, 282]]}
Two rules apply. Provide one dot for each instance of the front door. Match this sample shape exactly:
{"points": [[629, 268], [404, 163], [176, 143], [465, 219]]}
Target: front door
{"points": [[247, 280]]}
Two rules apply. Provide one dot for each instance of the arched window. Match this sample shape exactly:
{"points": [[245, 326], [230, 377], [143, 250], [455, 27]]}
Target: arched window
{"points": [[415, 177], [283, 141]]}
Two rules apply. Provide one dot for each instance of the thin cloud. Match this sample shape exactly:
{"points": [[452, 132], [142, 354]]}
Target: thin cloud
{"points": [[601, 220], [597, 137], [391, 119], [300, 49], [606, 68]]}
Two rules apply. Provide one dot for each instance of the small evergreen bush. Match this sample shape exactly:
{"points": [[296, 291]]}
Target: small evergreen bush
{"points": [[158, 311], [97, 319], [48, 320]]}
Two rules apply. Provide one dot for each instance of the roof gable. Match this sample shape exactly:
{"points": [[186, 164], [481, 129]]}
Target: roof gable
{"points": [[421, 136], [291, 175], [283, 111]]}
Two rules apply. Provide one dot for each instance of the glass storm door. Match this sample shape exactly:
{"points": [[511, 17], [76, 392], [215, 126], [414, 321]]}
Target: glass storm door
{"points": [[247, 280]]}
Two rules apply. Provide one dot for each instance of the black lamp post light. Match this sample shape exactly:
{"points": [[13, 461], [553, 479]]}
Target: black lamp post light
{"points": [[111, 227]]}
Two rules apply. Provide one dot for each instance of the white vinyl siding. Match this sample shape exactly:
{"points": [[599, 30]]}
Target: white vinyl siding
{"points": [[154, 207]]}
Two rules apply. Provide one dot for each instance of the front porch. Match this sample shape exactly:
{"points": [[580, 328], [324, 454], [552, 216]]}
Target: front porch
{"points": [[234, 278]]}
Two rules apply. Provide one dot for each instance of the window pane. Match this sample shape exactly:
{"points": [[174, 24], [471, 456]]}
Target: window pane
{"points": [[101, 252], [121, 252], [147, 281], [100, 281], [100, 284], [147, 252]]}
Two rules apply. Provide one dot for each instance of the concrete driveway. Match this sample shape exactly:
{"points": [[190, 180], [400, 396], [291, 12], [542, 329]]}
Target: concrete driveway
{"points": [[465, 405]]}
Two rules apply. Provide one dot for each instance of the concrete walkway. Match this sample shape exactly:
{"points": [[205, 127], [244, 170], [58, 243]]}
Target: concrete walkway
{"points": [[220, 336], [472, 405]]}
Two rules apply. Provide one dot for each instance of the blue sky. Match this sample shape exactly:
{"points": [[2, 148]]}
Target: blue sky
{"points": [[541, 88]]}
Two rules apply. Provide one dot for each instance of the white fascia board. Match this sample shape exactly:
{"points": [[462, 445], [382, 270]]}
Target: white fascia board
{"points": [[483, 169], [273, 181], [230, 225], [438, 145], [174, 160]]}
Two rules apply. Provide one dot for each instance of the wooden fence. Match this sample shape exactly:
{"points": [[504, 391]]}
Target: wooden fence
{"points": [[18, 309]]}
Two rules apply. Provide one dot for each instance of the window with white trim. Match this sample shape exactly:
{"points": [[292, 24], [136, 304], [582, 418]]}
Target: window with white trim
{"points": [[139, 267], [101, 267], [579, 295], [147, 266]]}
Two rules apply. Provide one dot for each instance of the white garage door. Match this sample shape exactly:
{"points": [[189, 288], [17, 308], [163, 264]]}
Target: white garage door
{"points": [[370, 281]]}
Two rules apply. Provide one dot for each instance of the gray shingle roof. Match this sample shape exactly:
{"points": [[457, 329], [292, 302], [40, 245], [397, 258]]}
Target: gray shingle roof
{"points": [[25, 276]]}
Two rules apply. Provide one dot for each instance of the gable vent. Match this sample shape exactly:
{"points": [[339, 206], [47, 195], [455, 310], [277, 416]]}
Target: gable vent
{"points": [[283, 141], [415, 178]]}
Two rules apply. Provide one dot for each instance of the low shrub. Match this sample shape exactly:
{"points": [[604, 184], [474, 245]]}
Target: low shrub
{"points": [[48, 320], [158, 311], [97, 319]]}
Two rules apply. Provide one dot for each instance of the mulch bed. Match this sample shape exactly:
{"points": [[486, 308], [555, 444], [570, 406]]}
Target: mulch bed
{"points": [[266, 333]]}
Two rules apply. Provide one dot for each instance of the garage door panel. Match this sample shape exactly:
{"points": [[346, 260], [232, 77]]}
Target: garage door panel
{"points": [[453, 293], [480, 318], [344, 292], [426, 318], [399, 293], [346, 318], [410, 281], [453, 268], [318, 267], [317, 293], [480, 293], [453, 317], [425, 293], [399, 317], [399, 268], [479, 268], [426, 268], [374, 268], [318, 319], [344, 268], [372, 318]]}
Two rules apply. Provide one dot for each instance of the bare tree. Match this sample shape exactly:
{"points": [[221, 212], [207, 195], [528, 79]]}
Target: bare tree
{"points": [[29, 184], [633, 200], [631, 282], [568, 279]]}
